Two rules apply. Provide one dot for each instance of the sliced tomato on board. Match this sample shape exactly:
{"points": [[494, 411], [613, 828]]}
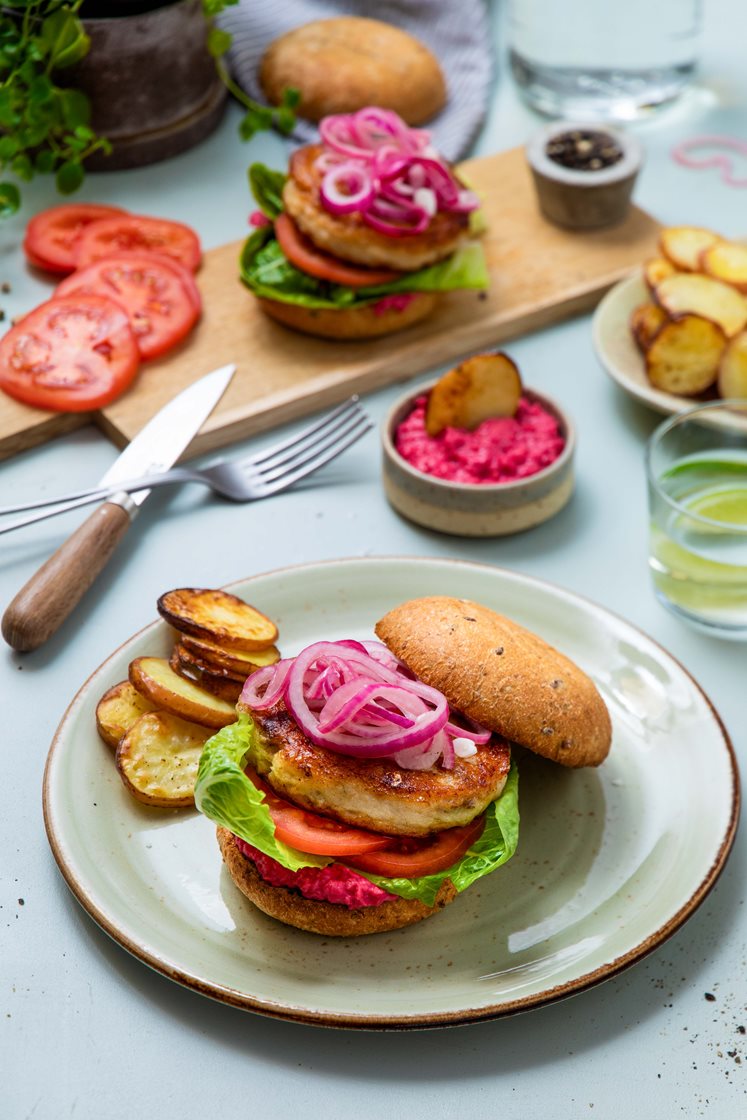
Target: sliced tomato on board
{"points": [[303, 253], [162, 306], [71, 354], [313, 833], [133, 234], [411, 857], [51, 235]]}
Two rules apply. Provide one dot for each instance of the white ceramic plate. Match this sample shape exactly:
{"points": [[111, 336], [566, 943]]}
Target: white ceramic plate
{"points": [[608, 866], [617, 350]]}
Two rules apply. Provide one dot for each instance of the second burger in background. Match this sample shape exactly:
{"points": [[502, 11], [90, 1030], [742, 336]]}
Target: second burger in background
{"points": [[365, 231]]}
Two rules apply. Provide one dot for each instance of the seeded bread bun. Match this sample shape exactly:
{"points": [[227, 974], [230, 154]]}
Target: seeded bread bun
{"points": [[350, 323], [328, 918], [502, 676], [341, 65]]}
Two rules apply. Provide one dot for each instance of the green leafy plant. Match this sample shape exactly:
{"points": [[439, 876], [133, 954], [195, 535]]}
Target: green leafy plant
{"points": [[258, 117], [44, 127]]}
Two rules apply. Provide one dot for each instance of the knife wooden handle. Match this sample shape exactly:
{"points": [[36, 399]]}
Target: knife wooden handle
{"points": [[43, 604]]}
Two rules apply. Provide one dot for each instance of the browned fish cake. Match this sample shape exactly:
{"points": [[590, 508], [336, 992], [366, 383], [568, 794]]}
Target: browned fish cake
{"points": [[376, 793], [347, 235]]}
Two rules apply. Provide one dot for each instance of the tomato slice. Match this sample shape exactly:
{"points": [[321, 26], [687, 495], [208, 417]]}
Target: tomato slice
{"points": [[51, 236], [312, 832], [303, 253], [410, 857], [70, 354], [150, 289], [134, 234]]}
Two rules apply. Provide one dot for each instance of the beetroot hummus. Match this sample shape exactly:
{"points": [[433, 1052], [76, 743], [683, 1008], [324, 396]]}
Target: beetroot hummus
{"points": [[333, 883], [502, 449]]}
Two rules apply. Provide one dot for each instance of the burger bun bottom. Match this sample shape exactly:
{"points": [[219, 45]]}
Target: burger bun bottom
{"points": [[327, 918], [350, 323]]}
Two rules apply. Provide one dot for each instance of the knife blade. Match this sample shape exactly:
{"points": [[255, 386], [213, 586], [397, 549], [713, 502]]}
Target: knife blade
{"points": [[46, 600]]}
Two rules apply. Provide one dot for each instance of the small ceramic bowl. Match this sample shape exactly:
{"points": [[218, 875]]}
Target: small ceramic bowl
{"points": [[475, 509], [588, 198]]}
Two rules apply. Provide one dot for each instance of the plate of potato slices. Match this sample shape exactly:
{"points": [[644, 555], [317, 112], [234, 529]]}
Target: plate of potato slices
{"points": [[676, 333], [159, 719]]}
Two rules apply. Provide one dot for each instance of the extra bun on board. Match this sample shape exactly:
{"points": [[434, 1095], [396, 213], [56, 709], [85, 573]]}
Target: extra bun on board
{"points": [[340, 65], [502, 676], [327, 918]]}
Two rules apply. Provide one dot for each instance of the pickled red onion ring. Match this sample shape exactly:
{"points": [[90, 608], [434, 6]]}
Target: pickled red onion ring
{"points": [[371, 158], [358, 699]]}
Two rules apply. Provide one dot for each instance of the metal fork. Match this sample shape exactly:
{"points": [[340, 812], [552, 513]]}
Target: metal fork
{"points": [[241, 480]]}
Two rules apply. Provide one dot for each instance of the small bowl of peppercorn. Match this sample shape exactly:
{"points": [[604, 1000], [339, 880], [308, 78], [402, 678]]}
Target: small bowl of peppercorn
{"points": [[584, 174]]}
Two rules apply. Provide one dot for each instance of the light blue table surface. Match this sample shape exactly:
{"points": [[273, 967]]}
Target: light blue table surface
{"points": [[86, 1031]]}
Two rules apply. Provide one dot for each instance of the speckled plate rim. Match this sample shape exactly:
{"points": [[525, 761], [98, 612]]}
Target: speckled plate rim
{"points": [[179, 972], [618, 353]]}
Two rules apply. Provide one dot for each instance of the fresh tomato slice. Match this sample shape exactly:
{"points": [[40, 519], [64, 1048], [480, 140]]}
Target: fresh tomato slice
{"points": [[70, 354], [51, 236], [303, 253], [410, 857], [312, 832], [133, 234], [150, 289]]}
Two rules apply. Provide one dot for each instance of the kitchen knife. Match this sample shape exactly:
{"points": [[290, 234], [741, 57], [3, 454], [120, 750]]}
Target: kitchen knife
{"points": [[42, 605]]}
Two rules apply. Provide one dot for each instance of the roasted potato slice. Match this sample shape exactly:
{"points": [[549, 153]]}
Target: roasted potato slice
{"points": [[656, 270], [705, 297], [117, 710], [193, 662], [646, 322], [154, 678], [479, 388], [226, 688], [732, 373], [215, 657], [726, 261], [683, 245], [684, 357], [158, 758], [217, 616]]}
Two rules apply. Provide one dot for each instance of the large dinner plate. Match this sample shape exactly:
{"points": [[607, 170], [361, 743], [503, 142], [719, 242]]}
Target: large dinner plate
{"points": [[618, 352], [609, 863]]}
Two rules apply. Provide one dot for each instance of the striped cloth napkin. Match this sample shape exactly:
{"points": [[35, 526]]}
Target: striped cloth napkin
{"points": [[457, 33]]}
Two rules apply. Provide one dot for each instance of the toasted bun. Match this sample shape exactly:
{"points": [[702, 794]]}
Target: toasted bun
{"points": [[341, 65], [350, 323], [327, 918], [502, 676]]}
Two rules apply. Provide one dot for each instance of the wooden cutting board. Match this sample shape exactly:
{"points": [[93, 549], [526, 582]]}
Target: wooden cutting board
{"points": [[539, 275]]}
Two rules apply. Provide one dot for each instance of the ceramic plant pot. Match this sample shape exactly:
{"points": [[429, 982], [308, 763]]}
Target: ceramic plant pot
{"points": [[153, 87]]}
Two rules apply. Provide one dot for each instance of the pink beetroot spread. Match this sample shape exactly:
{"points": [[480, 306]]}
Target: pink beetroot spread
{"points": [[503, 449], [333, 883]]}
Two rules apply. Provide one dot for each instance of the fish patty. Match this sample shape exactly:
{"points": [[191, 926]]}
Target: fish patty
{"points": [[347, 236], [375, 793]]}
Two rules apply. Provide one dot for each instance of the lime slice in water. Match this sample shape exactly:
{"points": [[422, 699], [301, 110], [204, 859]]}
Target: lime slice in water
{"points": [[728, 506]]}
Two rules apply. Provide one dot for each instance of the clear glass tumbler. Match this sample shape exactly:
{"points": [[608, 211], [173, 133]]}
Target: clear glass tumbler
{"points": [[696, 465], [597, 60]]}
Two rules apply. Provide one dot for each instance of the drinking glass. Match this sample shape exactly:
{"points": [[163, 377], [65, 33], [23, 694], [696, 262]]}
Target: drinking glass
{"points": [[696, 466], [595, 60]]}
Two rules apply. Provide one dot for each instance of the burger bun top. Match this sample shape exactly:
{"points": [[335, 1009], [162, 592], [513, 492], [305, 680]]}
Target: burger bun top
{"points": [[502, 676]]}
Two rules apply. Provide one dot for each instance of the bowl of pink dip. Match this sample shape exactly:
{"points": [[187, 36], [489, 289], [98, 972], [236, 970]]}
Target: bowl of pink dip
{"points": [[509, 474]]}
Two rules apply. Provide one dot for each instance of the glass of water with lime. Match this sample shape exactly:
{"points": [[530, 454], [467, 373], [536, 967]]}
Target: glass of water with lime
{"points": [[696, 464]]}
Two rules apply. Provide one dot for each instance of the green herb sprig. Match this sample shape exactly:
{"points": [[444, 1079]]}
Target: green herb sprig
{"points": [[258, 117], [43, 127]]}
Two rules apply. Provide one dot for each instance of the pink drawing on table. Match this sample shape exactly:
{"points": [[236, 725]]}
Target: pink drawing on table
{"points": [[684, 155]]}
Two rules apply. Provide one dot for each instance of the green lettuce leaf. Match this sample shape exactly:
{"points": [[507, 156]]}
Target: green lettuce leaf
{"points": [[225, 795], [267, 187]]}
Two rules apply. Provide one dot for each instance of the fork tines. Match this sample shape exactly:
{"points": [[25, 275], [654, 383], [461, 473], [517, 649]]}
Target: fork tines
{"points": [[347, 420]]}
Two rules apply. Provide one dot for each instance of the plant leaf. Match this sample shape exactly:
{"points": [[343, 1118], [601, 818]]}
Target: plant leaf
{"points": [[65, 40], [10, 200], [69, 176], [218, 42]]}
